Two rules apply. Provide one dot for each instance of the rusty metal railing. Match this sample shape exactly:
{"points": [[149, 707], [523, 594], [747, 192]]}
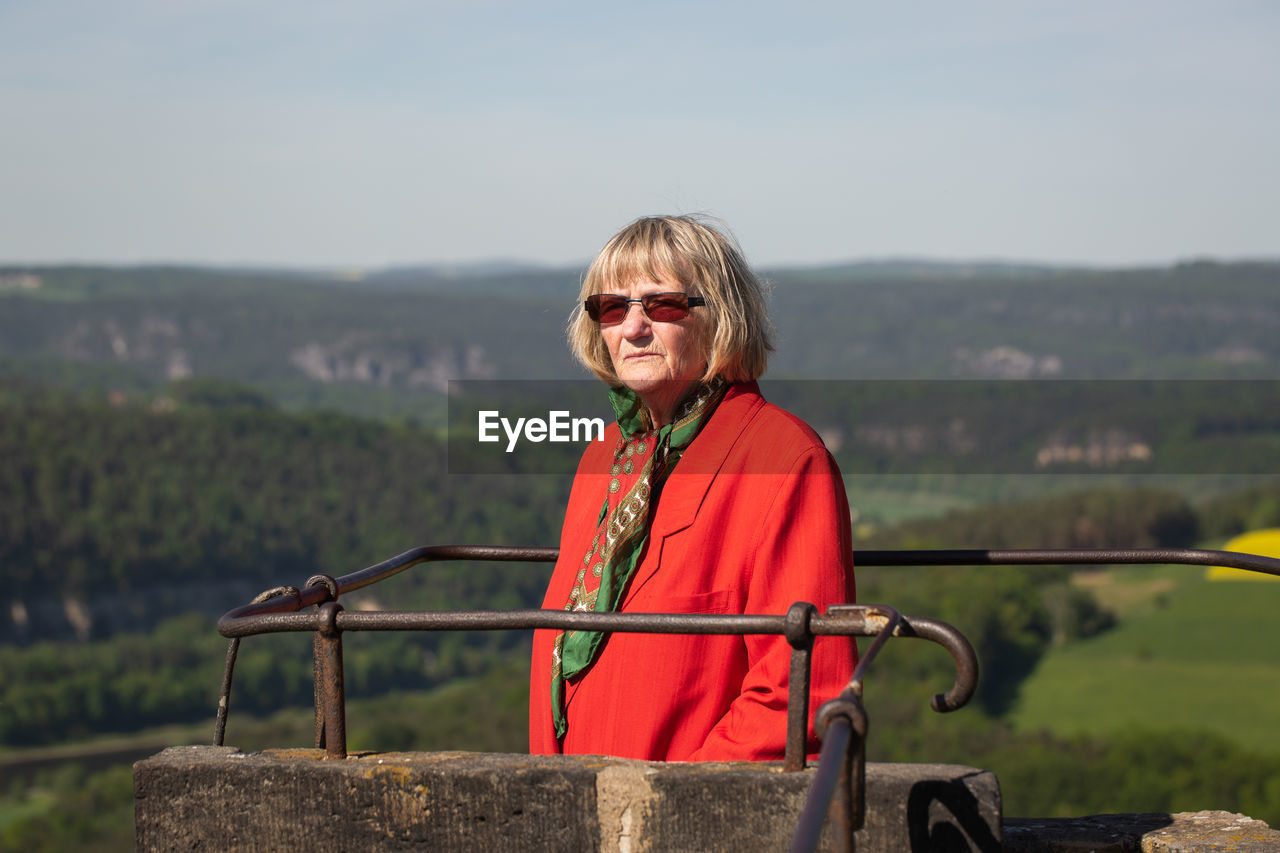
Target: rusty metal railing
{"points": [[278, 610], [838, 785]]}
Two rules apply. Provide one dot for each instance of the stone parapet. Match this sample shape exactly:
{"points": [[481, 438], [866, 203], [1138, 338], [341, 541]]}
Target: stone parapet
{"points": [[217, 798]]}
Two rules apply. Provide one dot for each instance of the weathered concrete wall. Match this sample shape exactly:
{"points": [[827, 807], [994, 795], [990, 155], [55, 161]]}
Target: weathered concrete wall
{"points": [[216, 798]]}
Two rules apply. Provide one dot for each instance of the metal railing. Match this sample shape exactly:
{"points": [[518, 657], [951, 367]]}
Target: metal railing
{"points": [[838, 785]]}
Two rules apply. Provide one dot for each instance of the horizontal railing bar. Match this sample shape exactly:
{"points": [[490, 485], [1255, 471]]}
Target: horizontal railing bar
{"points": [[434, 553], [394, 566], [1069, 556], [496, 620], [849, 620], [947, 557]]}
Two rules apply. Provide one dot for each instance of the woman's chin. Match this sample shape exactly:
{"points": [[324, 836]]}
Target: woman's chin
{"points": [[656, 388]]}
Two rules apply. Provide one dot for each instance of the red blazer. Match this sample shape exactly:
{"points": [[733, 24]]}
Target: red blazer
{"points": [[753, 518]]}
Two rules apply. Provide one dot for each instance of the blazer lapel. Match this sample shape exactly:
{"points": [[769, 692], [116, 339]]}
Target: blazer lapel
{"points": [[683, 493]]}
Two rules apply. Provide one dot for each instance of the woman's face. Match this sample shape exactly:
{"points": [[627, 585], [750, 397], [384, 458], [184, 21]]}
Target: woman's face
{"points": [[659, 361]]}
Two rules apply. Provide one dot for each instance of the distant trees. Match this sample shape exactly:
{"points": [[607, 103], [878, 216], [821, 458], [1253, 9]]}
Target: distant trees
{"points": [[213, 485], [53, 692], [1102, 518]]}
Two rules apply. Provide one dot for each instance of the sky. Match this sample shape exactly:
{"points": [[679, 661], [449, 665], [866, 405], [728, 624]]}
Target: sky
{"points": [[367, 134]]}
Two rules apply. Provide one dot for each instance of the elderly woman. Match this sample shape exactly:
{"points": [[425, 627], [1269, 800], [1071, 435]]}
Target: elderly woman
{"points": [[702, 498]]}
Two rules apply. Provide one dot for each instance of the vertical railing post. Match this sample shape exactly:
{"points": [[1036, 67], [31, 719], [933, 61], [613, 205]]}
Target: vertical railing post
{"points": [[330, 689], [801, 639], [839, 787], [841, 811], [850, 800]]}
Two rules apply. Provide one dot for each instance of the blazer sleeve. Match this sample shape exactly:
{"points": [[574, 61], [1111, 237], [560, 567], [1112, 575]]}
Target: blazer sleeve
{"points": [[803, 552]]}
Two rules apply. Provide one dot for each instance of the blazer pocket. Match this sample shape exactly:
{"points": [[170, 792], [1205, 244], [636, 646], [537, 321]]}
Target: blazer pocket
{"points": [[717, 601]]}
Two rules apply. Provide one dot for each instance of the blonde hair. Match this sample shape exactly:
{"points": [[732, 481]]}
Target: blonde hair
{"points": [[706, 261]]}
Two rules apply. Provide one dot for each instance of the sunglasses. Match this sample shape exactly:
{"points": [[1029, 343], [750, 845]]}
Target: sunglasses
{"points": [[609, 309]]}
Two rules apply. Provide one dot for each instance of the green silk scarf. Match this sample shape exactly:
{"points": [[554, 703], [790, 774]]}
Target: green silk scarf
{"points": [[642, 461]]}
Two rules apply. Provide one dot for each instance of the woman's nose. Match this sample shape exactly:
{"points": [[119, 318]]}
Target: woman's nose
{"points": [[636, 323]]}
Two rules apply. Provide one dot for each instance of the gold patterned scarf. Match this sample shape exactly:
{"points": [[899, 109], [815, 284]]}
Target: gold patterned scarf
{"points": [[642, 461]]}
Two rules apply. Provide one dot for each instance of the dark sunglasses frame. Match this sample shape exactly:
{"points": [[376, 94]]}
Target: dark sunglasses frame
{"points": [[670, 306]]}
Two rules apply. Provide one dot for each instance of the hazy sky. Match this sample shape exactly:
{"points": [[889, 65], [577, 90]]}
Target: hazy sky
{"points": [[316, 132]]}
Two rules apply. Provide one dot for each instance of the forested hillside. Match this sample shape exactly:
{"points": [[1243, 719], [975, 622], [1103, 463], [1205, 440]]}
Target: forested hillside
{"points": [[115, 501], [1190, 321], [126, 512]]}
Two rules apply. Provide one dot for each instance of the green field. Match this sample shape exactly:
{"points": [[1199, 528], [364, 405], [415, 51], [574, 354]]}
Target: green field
{"points": [[1187, 653]]}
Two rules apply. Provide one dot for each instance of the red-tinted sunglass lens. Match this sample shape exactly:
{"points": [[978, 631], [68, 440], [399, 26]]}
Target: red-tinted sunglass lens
{"points": [[666, 307], [606, 308]]}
